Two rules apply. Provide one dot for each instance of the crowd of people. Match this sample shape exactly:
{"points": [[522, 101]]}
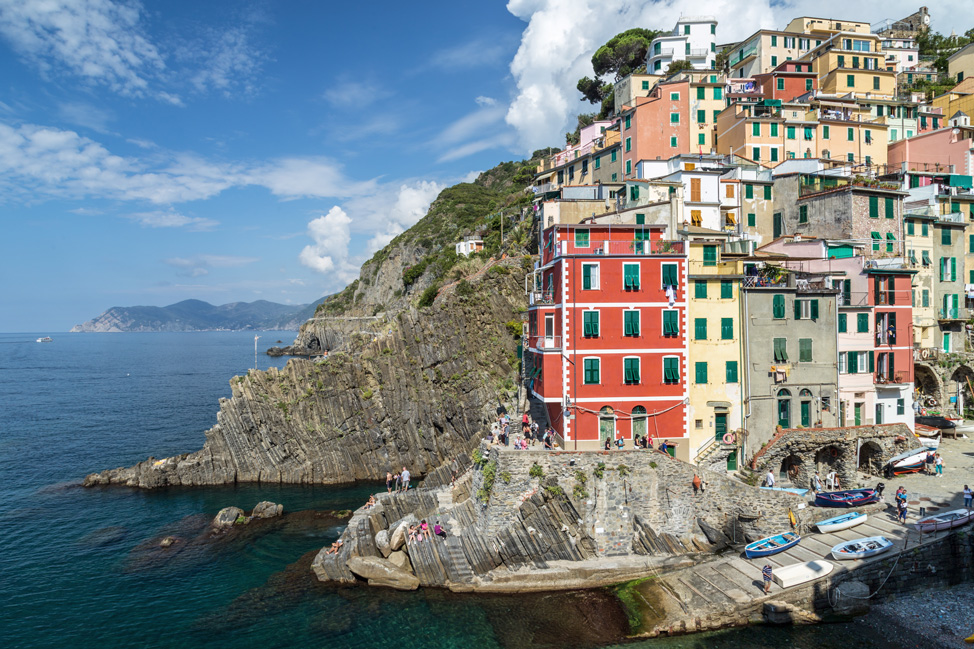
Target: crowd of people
{"points": [[398, 482], [503, 431]]}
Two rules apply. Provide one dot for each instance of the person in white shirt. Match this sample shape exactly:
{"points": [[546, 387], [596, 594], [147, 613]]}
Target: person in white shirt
{"points": [[769, 479]]}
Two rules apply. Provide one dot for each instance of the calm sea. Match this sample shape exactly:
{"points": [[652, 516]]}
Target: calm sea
{"points": [[81, 567]]}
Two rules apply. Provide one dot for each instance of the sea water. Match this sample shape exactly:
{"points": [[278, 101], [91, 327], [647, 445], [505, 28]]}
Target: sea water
{"points": [[82, 567]]}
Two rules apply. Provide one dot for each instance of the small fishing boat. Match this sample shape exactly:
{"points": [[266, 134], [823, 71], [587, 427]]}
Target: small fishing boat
{"points": [[771, 545], [843, 522], [928, 436], [861, 548], [45, 339], [799, 573], [847, 498], [791, 490], [909, 462], [945, 521]]}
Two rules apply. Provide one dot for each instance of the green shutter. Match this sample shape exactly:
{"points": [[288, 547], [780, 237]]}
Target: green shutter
{"points": [[778, 307], [671, 370], [591, 366], [730, 373], [700, 329], [767, 192], [814, 309], [631, 276], [727, 328], [700, 372], [780, 350], [581, 238], [890, 209], [631, 370], [701, 115], [587, 277], [910, 227], [751, 220], [798, 309], [805, 350], [872, 366], [700, 289], [945, 236], [852, 362], [590, 323], [862, 322], [843, 323], [790, 132], [726, 289], [631, 323], [874, 207], [748, 191], [669, 275], [710, 255], [671, 326], [953, 269]]}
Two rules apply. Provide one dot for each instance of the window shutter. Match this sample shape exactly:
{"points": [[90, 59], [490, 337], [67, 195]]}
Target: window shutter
{"points": [[727, 328], [872, 367], [891, 291], [847, 291], [626, 323], [805, 350], [814, 307], [798, 309], [953, 269], [671, 325], [730, 372], [700, 329], [890, 210], [586, 277], [726, 289], [843, 323], [853, 362], [778, 310], [701, 372]]}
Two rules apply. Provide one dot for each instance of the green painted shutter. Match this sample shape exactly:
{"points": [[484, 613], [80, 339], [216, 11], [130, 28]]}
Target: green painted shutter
{"points": [[890, 209], [586, 277], [862, 324], [767, 192], [778, 307], [727, 328], [798, 309], [671, 325], [700, 329], [814, 308], [748, 191], [843, 323], [730, 372], [805, 350], [671, 370], [872, 366], [700, 371], [700, 289], [631, 276], [726, 289], [953, 269], [669, 275], [873, 207], [852, 363]]}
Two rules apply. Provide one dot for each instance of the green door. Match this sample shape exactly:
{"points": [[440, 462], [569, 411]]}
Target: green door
{"points": [[720, 426], [857, 413], [732, 461], [607, 429], [779, 225], [784, 413], [879, 413], [806, 413]]}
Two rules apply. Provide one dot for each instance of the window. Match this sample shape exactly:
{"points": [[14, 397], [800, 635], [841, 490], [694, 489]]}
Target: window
{"points": [[631, 370], [749, 191], [843, 323], [751, 220], [710, 255], [730, 190], [727, 289], [727, 328], [809, 133], [590, 324], [774, 154], [774, 129], [628, 144], [630, 277], [780, 350], [774, 41], [924, 229], [700, 289], [673, 143], [581, 238], [696, 218], [790, 132], [671, 369], [945, 236], [713, 29], [614, 154], [598, 162], [875, 83], [804, 350], [851, 134], [825, 133], [701, 93], [674, 96], [700, 329], [669, 275], [873, 207], [862, 323], [701, 138], [970, 243], [674, 118], [730, 372], [591, 374], [851, 157], [645, 85], [767, 192], [700, 372], [806, 309], [841, 61], [718, 92], [900, 407], [850, 80], [803, 213], [584, 167], [686, 30], [781, 83], [590, 277], [890, 238], [640, 220], [716, 113], [628, 167], [774, 61], [778, 307], [808, 84], [756, 153], [671, 323], [701, 116]]}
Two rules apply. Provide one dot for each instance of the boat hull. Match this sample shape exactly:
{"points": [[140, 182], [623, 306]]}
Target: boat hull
{"points": [[861, 548], [838, 523], [791, 490], [849, 498], [799, 573], [765, 548], [945, 521]]}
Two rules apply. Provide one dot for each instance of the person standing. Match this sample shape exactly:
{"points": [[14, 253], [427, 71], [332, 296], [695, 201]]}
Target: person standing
{"points": [[938, 463], [830, 480], [769, 479], [397, 480], [816, 483], [968, 497], [388, 481], [405, 479], [901, 507], [929, 464], [767, 575]]}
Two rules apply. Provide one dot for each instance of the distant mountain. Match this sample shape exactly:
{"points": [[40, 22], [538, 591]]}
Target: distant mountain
{"points": [[196, 315]]}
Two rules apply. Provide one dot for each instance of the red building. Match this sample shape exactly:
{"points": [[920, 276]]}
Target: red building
{"points": [[892, 358], [607, 344], [789, 80]]}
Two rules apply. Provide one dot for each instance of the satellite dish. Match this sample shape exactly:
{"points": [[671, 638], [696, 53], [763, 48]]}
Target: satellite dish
{"points": [[956, 131]]}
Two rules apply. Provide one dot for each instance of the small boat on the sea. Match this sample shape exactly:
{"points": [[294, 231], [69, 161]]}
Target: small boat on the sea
{"points": [[799, 573], [861, 548], [847, 498], [791, 490], [945, 521], [771, 545], [843, 522], [45, 339], [909, 462]]}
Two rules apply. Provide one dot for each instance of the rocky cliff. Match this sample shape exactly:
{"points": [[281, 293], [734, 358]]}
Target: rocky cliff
{"points": [[417, 389]]}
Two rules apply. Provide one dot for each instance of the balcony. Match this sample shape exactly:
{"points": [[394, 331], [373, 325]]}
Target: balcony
{"points": [[801, 285], [891, 378], [953, 217], [853, 299], [544, 342], [950, 314], [885, 338], [540, 298], [744, 54], [598, 248], [662, 53], [698, 54]]}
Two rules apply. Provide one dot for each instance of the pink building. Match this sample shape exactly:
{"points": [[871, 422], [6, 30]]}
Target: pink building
{"points": [[952, 145]]}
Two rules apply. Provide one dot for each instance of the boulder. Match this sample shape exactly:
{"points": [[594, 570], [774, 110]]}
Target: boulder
{"points": [[226, 517], [382, 572], [400, 530], [167, 541], [382, 542], [401, 560], [267, 509]]}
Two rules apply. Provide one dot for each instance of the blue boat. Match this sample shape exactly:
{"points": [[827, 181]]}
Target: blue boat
{"points": [[791, 490], [843, 522], [771, 545], [847, 498]]}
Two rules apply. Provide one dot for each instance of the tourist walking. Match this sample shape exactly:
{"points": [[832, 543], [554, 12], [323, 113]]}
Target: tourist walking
{"points": [[769, 479], [405, 479], [929, 464], [396, 481], [938, 463], [620, 443], [816, 483], [968, 496], [767, 575], [901, 508]]}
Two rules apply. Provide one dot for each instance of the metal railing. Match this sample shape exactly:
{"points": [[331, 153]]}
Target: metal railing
{"points": [[853, 298], [594, 248], [801, 285], [544, 342], [698, 53], [541, 297], [949, 314], [898, 376]]}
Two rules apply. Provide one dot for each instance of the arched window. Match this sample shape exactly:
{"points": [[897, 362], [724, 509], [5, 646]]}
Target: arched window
{"points": [[639, 422], [784, 408]]}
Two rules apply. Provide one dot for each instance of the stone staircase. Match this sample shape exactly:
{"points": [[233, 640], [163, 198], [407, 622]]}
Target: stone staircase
{"points": [[538, 413]]}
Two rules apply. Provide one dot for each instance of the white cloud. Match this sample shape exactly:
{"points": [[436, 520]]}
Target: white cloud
{"points": [[307, 177], [561, 36], [485, 101], [354, 93], [230, 61], [473, 53], [486, 124], [98, 40], [87, 115], [172, 219], [328, 254]]}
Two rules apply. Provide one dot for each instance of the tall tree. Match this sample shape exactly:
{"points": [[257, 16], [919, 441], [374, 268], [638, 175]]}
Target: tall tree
{"points": [[622, 55]]}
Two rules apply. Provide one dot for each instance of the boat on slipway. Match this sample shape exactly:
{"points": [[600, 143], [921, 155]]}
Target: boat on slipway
{"points": [[791, 490], [909, 462], [847, 498], [799, 573], [771, 545], [843, 522], [861, 548], [945, 521]]}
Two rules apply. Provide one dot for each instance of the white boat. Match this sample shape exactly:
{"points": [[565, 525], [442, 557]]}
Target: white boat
{"points": [[945, 521], [843, 522], [45, 339], [928, 436], [799, 573], [862, 548]]}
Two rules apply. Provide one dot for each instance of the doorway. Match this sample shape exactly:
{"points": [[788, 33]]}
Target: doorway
{"points": [[720, 425], [607, 426]]}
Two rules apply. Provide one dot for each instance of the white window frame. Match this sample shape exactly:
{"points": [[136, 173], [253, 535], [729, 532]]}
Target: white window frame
{"points": [[862, 358], [596, 278], [598, 359], [639, 321], [805, 307], [843, 361]]}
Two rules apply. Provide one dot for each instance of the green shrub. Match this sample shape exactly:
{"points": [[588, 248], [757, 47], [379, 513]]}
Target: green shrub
{"points": [[428, 296], [241, 520], [599, 470], [580, 477], [414, 272], [465, 288], [536, 471], [366, 394], [506, 477], [623, 470], [477, 457], [653, 465], [554, 490], [516, 327], [490, 471], [579, 492]]}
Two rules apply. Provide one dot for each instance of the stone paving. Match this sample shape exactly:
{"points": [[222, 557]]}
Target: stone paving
{"points": [[958, 456]]}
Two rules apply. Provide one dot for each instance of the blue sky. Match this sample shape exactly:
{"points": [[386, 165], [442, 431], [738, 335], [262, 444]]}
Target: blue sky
{"points": [[233, 150]]}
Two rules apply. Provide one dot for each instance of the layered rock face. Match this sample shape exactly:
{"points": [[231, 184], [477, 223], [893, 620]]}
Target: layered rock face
{"points": [[417, 393]]}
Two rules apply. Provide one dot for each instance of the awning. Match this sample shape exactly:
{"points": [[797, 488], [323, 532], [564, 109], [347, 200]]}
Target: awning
{"points": [[877, 235], [958, 180], [891, 236]]}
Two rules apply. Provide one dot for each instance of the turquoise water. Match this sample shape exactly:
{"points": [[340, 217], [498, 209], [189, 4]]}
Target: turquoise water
{"points": [[82, 567]]}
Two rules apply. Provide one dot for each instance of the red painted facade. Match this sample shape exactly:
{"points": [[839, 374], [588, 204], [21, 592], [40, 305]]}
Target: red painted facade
{"points": [[891, 299], [789, 80], [602, 331]]}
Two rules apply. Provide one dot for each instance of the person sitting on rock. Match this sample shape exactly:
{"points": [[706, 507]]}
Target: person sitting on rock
{"points": [[438, 530], [414, 533], [424, 529], [335, 547], [371, 503]]}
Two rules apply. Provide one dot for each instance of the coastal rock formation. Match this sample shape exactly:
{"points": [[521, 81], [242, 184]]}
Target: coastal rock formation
{"points": [[417, 395], [267, 509], [227, 517], [382, 572]]}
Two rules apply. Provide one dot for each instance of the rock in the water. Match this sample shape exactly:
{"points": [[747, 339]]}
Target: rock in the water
{"points": [[167, 541], [382, 542], [382, 572], [401, 560], [267, 509], [227, 516]]}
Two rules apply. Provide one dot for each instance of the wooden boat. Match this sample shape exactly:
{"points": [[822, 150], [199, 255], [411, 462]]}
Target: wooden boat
{"points": [[910, 462], [771, 545], [843, 522], [847, 498], [791, 490], [799, 573], [861, 548], [945, 521], [928, 436]]}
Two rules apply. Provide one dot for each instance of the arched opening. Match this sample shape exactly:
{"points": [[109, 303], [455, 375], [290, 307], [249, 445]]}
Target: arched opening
{"points": [[784, 408], [805, 405], [828, 459], [792, 469], [314, 345], [927, 385], [639, 423], [607, 425], [871, 459], [964, 378]]}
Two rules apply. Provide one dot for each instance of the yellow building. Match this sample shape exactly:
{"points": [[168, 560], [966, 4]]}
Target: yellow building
{"points": [[919, 232], [960, 98], [715, 366], [960, 64], [706, 103], [826, 27], [852, 63]]}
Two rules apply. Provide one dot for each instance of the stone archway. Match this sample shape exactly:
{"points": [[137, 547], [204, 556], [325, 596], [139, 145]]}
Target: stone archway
{"points": [[793, 470], [927, 383], [827, 459], [871, 459], [964, 378]]}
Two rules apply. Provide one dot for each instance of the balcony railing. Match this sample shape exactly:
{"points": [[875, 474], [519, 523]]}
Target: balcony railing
{"points": [[662, 52], [949, 314], [541, 297], [801, 285], [855, 298], [899, 376], [953, 217], [544, 342], [657, 247], [699, 53]]}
